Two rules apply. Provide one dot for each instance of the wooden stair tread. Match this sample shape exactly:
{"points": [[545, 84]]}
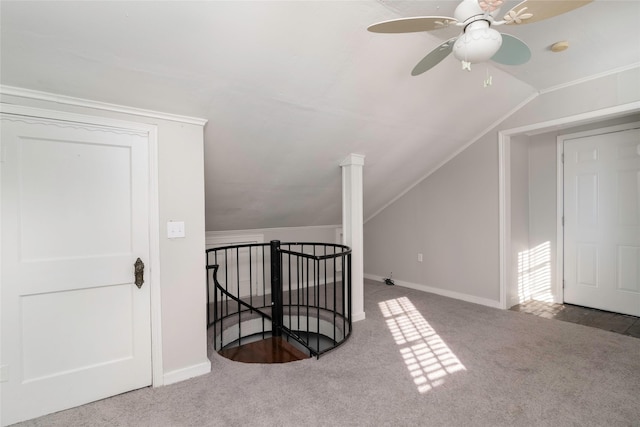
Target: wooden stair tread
{"points": [[269, 350]]}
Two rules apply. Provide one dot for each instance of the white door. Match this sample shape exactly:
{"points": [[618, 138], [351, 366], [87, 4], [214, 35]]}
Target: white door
{"points": [[75, 327], [602, 221]]}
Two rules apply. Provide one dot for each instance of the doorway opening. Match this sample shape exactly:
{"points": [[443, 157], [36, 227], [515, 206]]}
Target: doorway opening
{"points": [[531, 255]]}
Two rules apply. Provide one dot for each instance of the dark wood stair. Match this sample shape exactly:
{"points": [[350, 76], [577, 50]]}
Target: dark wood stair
{"points": [[269, 350]]}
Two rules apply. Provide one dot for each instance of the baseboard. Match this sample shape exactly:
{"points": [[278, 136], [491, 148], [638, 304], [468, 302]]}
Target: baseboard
{"points": [[186, 373], [439, 291], [357, 317]]}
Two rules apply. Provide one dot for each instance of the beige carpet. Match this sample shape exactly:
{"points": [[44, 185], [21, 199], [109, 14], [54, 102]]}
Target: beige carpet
{"points": [[417, 360]]}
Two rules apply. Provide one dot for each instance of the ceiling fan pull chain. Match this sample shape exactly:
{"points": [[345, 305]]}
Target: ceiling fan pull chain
{"points": [[489, 80], [466, 65]]}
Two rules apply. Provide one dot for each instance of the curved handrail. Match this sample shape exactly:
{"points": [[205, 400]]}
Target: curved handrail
{"points": [[233, 297], [316, 257], [244, 245], [333, 315], [263, 314]]}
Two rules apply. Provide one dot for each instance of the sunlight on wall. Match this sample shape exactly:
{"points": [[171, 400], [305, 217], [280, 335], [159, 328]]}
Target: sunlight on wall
{"points": [[534, 274], [426, 355]]}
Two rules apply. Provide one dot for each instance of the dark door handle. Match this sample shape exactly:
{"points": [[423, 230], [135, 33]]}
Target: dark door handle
{"points": [[139, 272]]}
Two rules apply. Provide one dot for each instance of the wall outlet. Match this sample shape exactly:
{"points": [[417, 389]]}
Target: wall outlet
{"points": [[419, 257]]}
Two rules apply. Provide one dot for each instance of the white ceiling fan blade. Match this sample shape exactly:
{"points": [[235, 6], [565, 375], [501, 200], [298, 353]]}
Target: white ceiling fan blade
{"points": [[434, 57], [412, 25], [536, 10], [512, 52]]}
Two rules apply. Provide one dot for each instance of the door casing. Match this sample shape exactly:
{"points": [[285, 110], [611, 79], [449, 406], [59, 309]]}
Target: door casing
{"points": [[152, 273], [504, 177], [558, 285]]}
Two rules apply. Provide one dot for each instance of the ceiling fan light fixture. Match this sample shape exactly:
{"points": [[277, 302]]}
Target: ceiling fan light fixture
{"points": [[477, 45], [478, 41]]}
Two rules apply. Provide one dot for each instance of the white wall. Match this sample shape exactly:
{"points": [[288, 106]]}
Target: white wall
{"points": [[452, 216], [320, 234], [182, 274]]}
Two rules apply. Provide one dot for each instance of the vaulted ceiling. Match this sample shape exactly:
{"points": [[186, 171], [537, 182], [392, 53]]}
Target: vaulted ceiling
{"points": [[290, 88]]}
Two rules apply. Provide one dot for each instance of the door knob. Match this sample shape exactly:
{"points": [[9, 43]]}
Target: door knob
{"points": [[139, 272]]}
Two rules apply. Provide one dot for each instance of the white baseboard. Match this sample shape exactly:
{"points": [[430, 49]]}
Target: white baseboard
{"points": [[186, 373], [439, 291], [356, 317]]}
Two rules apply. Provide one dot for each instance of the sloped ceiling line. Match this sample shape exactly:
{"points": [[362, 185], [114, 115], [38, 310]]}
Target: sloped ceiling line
{"points": [[455, 153], [290, 88]]}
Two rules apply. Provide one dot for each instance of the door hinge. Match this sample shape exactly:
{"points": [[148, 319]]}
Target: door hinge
{"points": [[562, 157], [564, 282], [563, 221]]}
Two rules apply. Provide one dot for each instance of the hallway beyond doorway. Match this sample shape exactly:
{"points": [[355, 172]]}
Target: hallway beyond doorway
{"points": [[614, 322]]}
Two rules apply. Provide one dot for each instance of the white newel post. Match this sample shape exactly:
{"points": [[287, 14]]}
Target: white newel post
{"points": [[352, 228]]}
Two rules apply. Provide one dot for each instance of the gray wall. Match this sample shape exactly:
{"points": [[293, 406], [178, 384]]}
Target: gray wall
{"points": [[451, 218], [453, 215]]}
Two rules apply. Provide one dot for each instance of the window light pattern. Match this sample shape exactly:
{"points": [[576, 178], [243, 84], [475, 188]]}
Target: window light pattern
{"points": [[534, 274], [428, 359]]}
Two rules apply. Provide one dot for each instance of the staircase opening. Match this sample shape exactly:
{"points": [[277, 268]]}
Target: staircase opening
{"points": [[278, 302]]}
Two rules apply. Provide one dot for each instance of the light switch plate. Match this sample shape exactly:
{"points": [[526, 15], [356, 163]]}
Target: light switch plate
{"points": [[175, 229]]}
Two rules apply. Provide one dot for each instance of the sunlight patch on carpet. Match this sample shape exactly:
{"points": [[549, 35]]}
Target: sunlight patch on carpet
{"points": [[428, 358]]}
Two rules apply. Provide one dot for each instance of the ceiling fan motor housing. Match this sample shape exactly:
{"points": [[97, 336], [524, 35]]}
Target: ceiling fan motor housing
{"points": [[469, 9], [479, 42]]}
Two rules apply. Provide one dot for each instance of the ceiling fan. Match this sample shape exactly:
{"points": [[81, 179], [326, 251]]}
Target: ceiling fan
{"points": [[479, 42]]}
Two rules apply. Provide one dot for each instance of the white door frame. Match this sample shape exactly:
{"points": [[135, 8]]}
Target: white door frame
{"points": [[153, 275], [558, 286], [504, 179]]}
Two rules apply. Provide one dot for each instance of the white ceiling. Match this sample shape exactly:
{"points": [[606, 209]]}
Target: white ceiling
{"points": [[290, 88]]}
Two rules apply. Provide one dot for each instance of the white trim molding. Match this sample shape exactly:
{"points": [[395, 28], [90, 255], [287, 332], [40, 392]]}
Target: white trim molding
{"points": [[558, 288], [504, 174], [439, 291], [182, 374], [589, 78], [455, 153], [97, 105], [151, 131]]}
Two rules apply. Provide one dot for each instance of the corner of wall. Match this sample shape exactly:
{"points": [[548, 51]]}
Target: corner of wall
{"points": [[186, 373]]}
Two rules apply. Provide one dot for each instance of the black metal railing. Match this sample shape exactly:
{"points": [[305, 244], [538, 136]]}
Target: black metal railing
{"points": [[298, 291]]}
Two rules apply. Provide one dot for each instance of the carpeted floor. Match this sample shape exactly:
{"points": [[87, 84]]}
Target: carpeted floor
{"points": [[417, 360]]}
